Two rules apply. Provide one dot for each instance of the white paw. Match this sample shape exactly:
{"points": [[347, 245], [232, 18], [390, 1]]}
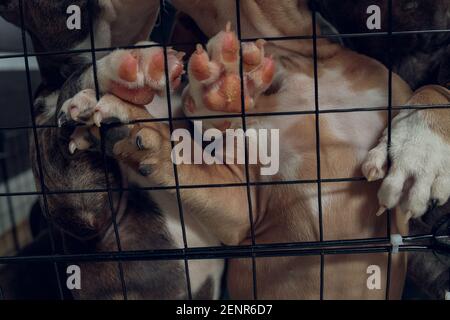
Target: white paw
{"points": [[374, 168], [420, 169], [84, 109], [80, 108]]}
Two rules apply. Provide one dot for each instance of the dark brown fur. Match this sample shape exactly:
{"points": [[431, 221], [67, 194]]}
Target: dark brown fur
{"points": [[85, 218], [46, 25]]}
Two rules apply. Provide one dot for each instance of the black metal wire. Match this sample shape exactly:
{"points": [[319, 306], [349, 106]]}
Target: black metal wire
{"points": [[388, 213], [246, 164], [193, 186], [105, 160], [448, 232], [175, 168], [317, 131], [281, 38], [37, 146], [9, 201], [321, 247], [256, 114], [333, 247]]}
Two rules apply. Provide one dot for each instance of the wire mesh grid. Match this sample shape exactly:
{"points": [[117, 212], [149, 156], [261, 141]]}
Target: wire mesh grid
{"points": [[319, 248]]}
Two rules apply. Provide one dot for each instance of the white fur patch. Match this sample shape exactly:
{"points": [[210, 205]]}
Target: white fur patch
{"points": [[420, 165]]}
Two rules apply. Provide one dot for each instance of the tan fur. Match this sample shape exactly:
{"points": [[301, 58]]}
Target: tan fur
{"points": [[437, 119], [289, 213], [128, 16], [285, 213]]}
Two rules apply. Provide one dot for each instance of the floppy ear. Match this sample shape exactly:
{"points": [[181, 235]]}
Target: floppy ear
{"points": [[10, 10]]}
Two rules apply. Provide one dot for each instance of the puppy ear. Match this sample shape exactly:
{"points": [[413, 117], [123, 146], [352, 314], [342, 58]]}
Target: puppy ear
{"points": [[10, 10]]}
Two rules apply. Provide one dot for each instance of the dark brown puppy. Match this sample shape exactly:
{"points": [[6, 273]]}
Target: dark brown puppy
{"points": [[86, 218], [419, 58]]}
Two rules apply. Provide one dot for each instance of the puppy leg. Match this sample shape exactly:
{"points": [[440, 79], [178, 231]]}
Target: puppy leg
{"points": [[146, 148], [420, 153], [148, 151], [137, 75], [134, 75]]}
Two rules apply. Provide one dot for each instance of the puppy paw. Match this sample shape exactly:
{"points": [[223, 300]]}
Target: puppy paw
{"points": [[214, 78], [419, 176], [374, 167], [84, 109], [78, 109], [138, 75], [147, 146], [83, 138]]}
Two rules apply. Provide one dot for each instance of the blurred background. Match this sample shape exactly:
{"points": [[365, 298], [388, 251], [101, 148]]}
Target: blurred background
{"points": [[15, 172]]}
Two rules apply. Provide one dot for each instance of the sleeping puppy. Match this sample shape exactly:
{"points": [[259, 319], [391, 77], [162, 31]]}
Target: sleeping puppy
{"points": [[278, 77], [146, 221], [421, 58]]}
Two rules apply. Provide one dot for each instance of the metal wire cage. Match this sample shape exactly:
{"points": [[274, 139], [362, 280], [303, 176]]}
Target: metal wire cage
{"points": [[434, 241]]}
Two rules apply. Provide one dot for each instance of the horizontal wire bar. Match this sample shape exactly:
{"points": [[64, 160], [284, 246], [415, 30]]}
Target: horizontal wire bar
{"points": [[267, 38], [208, 253], [213, 252], [77, 51], [249, 115], [347, 35], [193, 186]]}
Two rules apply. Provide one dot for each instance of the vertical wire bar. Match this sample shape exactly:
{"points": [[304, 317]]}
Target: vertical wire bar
{"points": [[247, 171], [105, 166], [317, 118], [36, 144], [175, 168], [388, 215], [448, 233], [9, 203]]}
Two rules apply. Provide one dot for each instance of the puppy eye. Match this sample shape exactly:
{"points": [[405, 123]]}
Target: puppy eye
{"points": [[139, 143]]}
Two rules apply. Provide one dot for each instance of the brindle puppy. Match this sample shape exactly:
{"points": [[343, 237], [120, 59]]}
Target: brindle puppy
{"points": [[85, 218], [419, 58]]}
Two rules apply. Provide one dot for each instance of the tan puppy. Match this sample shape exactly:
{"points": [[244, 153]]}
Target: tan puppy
{"points": [[281, 213]]}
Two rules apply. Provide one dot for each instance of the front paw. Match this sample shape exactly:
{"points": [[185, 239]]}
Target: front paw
{"points": [[83, 108], [78, 109], [419, 176], [215, 83], [138, 75], [147, 146]]}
